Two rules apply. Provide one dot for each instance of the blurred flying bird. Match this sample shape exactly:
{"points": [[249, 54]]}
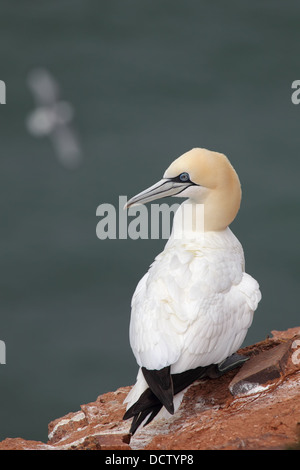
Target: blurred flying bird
{"points": [[191, 311], [53, 118]]}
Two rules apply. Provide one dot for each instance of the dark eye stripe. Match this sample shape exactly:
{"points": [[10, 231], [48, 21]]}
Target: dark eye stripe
{"points": [[183, 178]]}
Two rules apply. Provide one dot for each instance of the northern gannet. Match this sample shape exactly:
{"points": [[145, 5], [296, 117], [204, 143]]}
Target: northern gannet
{"points": [[191, 311]]}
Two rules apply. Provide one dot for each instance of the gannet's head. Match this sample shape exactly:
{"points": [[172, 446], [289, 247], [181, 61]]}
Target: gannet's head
{"points": [[205, 177]]}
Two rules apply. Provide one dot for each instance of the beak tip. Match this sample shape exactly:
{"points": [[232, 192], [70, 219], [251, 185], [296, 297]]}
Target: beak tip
{"points": [[131, 204], [152, 193]]}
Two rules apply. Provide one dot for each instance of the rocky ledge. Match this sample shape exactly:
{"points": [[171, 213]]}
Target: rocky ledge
{"points": [[256, 407]]}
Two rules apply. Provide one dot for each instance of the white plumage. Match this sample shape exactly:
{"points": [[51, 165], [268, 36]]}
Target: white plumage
{"points": [[195, 304]]}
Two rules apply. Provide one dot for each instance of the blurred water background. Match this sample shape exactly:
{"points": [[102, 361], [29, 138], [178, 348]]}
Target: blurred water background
{"points": [[147, 80]]}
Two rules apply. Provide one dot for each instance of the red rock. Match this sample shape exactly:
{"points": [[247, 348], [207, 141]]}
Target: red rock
{"points": [[114, 442], [22, 444], [287, 334], [99, 425], [261, 368]]}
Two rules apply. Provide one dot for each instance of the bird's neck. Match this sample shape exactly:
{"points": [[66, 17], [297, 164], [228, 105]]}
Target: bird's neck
{"points": [[213, 213], [221, 207], [188, 220]]}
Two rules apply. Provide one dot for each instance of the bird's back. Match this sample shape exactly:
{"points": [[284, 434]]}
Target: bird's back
{"points": [[195, 305]]}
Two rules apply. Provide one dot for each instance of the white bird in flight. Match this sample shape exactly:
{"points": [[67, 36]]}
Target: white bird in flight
{"points": [[53, 117], [191, 311]]}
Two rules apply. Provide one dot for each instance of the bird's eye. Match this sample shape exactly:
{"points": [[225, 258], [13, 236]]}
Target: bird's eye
{"points": [[184, 177]]}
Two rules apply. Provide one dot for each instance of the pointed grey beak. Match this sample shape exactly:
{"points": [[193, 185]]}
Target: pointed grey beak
{"points": [[165, 187]]}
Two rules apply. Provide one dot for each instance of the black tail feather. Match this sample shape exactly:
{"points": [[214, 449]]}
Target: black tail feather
{"points": [[137, 421], [161, 384], [146, 402], [186, 378], [140, 417]]}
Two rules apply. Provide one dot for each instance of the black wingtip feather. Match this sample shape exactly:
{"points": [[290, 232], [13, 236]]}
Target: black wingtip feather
{"points": [[146, 402], [161, 383]]}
